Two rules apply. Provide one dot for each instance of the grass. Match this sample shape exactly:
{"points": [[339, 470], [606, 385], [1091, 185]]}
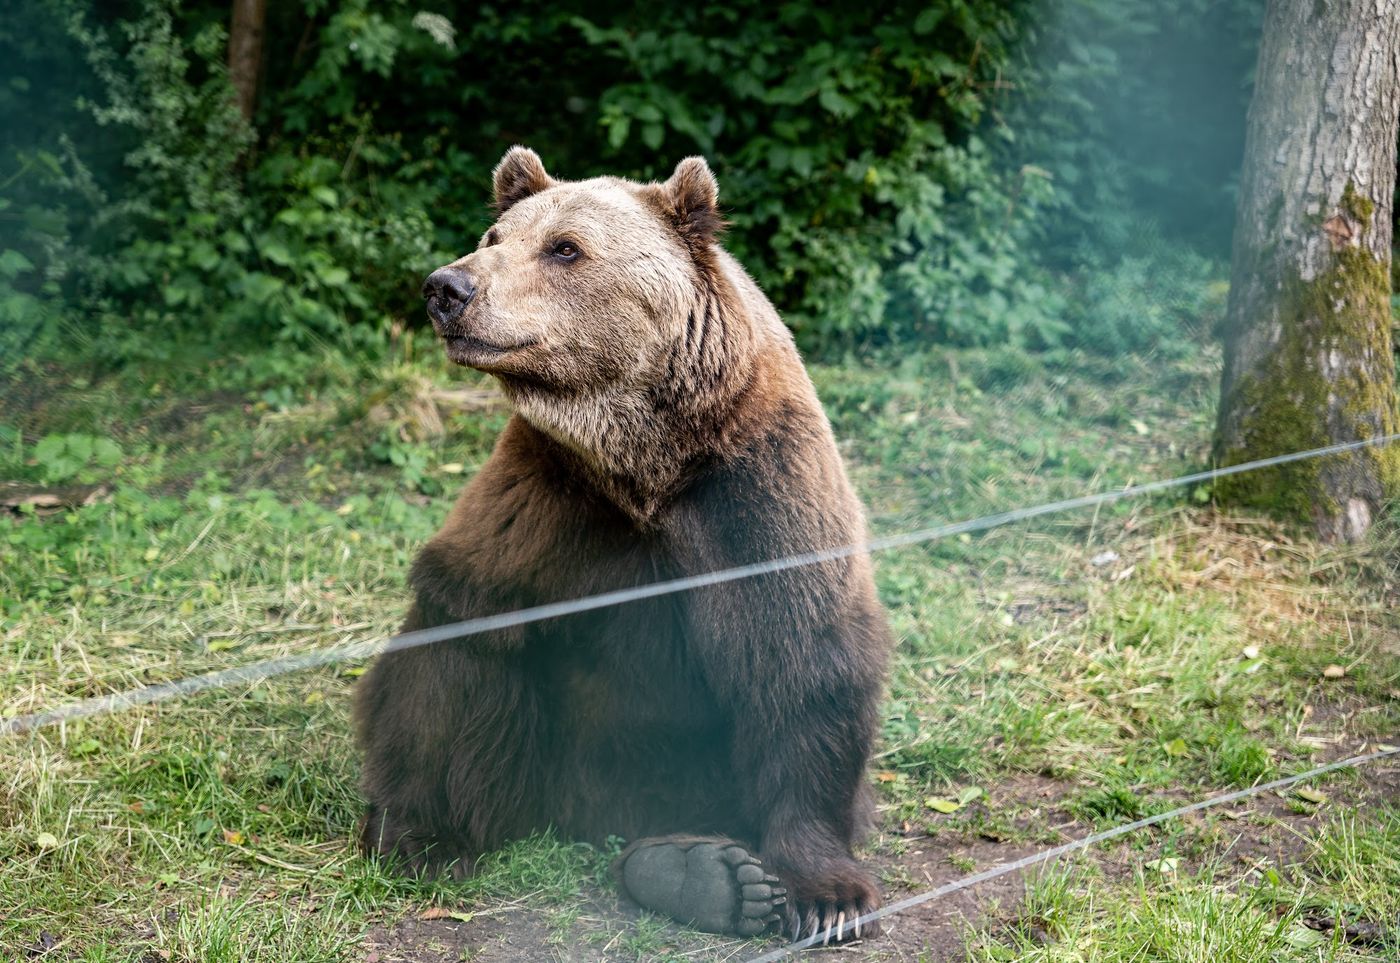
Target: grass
{"points": [[1121, 661], [1351, 873]]}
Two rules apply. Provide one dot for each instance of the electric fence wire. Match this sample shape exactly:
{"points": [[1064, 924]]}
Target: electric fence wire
{"points": [[258, 671], [1034, 859]]}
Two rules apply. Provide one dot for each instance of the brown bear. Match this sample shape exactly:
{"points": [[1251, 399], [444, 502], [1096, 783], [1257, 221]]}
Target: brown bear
{"points": [[664, 426]]}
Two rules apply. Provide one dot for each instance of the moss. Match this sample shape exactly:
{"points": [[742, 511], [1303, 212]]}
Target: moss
{"points": [[1283, 404], [1360, 207]]}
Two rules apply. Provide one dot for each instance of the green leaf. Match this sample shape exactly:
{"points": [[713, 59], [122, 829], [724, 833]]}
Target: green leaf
{"points": [[969, 794], [106, 452], [49, 448], [928, 20], [13, 264], [1308, 794], [325, 195], [1302, 937], [1176, 748], [333, 276], [617, 132], [276, 252], [85, 748], [941, 805], [833, 101]]}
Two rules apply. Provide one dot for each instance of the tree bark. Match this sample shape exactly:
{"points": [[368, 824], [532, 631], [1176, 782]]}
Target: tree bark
{"points": [[245, 38], [1308, 359]]}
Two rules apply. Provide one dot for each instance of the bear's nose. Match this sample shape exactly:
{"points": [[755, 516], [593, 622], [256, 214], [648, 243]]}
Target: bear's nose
{"points": [[448, 291]]}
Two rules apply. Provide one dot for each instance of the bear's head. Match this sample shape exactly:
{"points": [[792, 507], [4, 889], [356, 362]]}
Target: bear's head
{"points": [[608, 312], [579, 286]]}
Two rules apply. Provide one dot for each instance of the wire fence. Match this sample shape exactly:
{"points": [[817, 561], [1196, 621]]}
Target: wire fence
{"points": [[257, 671]]}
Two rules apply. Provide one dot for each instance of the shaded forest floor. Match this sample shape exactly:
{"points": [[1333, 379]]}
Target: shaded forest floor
{"points": [[1052, 678]]}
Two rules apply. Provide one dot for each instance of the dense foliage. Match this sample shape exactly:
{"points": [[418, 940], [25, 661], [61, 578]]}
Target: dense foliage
{"points": [[964, 171]]}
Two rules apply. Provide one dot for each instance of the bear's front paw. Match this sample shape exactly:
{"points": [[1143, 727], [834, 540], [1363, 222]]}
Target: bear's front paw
{"points": [[829, 905]]}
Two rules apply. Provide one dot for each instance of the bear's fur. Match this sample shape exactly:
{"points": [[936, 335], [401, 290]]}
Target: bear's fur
{"points": [[664, 427]]}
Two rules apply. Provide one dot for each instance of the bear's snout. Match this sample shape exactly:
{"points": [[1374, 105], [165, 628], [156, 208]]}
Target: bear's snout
{"points": [[448, 291]]}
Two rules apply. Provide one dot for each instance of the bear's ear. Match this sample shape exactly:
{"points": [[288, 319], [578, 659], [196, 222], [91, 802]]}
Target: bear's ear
{"points": [[519, 174], [692, 196]]}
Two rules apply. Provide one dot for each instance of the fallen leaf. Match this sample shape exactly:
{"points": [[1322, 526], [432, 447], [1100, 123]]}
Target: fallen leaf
{"points": [[1333, 671], [1310, 795], [443, 913], [1300, 936], [1165, 865], [233, 837], [969, 794], [1104, 558], [452, 468], [1251, 652], [938, 804], [886, 776], [1176, 748], [46, 841]]}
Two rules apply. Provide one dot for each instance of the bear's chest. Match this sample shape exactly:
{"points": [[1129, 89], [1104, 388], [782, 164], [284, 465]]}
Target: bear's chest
{"points": [[627, 669]]}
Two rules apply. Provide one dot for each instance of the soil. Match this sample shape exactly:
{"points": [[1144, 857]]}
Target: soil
{"points": [[1269, 829]]}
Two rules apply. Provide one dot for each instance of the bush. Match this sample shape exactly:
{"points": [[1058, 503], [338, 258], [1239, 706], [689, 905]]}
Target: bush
{"points": [[1155, 295], [907, 178]]}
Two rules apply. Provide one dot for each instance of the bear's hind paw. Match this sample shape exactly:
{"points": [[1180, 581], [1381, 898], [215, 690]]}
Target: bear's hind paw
{"points": [[714, 885]]}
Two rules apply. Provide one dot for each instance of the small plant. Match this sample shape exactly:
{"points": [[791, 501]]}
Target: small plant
{"points": [[410, 457], [65, 457]]}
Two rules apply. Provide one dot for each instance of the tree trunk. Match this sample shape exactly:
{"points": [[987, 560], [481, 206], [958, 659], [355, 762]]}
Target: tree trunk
{"points": [[1308, 358], [245, 37]]}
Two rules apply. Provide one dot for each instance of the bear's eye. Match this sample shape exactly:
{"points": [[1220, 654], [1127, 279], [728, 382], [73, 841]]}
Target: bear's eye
{"points": [[565, 250]]}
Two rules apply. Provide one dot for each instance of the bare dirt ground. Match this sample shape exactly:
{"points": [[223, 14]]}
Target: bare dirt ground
{"points": [[1268, 830]]}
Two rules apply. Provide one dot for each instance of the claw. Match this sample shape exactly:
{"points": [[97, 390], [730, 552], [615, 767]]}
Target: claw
{"points": [[840, 924], [816, 919], [858, 926]]}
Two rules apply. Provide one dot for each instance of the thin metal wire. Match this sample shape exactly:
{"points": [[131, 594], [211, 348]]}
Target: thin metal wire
{"points": [[1044, 856], [257, 671]]}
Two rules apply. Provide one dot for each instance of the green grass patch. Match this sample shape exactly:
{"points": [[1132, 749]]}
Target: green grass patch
{"points": [[264, 506]]}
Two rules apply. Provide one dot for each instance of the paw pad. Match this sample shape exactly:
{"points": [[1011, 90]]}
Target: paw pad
{"points": [[718, 887]]}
